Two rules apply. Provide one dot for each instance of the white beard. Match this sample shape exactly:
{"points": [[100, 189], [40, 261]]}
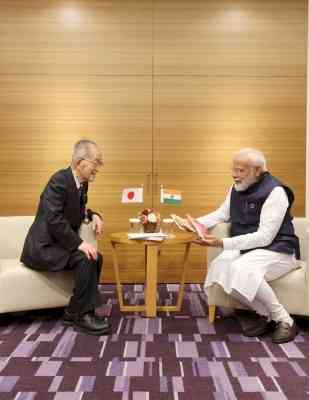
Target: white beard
{"points": [[241, 187]]}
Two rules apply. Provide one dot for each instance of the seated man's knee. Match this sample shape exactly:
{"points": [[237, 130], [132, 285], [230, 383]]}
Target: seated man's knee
{"points": [[237, 264], [89, 262], [99, 264]]}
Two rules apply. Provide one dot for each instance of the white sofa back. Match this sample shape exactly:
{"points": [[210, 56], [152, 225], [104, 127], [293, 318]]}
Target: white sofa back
{"points": [[13, 231]]}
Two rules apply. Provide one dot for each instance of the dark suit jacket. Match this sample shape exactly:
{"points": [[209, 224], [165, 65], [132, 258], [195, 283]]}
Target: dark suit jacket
{"points": [[53, 235]]}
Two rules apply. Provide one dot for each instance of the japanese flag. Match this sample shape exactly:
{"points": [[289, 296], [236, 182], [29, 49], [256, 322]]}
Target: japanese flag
{"points": [[132, 195]]}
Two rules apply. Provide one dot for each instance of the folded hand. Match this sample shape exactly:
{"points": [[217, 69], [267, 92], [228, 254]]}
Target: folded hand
{"points": [[210, 241], [89, 250]]}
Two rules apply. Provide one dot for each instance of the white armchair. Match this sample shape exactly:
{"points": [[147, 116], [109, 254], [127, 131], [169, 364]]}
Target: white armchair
{"points": [[292, 289]]}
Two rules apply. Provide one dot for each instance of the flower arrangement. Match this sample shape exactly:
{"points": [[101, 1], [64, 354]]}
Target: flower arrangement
{"points": [[150, 220]]}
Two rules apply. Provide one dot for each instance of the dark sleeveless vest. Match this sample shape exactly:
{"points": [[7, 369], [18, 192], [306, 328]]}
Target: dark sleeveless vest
{"points": [[245, 210]]}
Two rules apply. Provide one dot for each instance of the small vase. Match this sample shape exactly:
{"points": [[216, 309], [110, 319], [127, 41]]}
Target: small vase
{"points": [[150, 227]]}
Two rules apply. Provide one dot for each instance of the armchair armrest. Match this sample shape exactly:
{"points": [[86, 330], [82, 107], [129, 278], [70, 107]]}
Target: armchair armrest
{"points": [[305, 256], [87, 234], [220, 231]]}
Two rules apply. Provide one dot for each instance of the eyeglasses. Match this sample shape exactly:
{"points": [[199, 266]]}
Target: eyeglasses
{"points": [[97, 163]]}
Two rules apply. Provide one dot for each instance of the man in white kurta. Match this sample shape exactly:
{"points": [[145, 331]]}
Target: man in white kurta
{"points": [[250, 260]]}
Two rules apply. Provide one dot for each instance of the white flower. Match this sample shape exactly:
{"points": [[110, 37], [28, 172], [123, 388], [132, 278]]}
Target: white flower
{"points": [[152, 217]]}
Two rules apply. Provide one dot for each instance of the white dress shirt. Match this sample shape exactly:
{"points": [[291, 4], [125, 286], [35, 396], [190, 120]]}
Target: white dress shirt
{"points": [[272, 215], [78, 184]]}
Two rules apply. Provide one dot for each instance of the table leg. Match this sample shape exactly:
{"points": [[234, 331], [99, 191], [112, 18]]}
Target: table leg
{"points": [[122, 306], [151, 280], [117, 276], [183, 277]]}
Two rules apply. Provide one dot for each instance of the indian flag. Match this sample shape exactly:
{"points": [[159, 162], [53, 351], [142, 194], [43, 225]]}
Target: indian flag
{"points": [[169, 196]]}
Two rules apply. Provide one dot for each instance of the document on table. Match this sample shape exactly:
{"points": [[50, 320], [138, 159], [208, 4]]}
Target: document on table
{"points": [[190, 224], [157, 236]]}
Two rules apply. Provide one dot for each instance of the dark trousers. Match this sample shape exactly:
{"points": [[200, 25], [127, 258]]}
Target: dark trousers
{"points": [[86, 296]]}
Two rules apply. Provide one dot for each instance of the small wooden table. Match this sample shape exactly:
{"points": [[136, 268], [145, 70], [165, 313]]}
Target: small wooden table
{"points": [[151, 261]]}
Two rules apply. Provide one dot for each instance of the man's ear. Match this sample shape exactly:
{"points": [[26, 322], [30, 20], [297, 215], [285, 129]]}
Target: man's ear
{"points": [[258, 171], [76, 163]]}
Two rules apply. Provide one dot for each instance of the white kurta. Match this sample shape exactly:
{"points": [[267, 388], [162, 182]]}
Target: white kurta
{"points": [[243, 273]]}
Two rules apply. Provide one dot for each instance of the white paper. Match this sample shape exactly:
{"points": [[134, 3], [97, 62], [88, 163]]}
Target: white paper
{"points": [[157, 236]]}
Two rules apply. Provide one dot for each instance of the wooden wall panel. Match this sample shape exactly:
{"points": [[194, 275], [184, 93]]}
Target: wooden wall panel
{"points": [[41, 118], [202, 121], [76, 38], [230, 38]]}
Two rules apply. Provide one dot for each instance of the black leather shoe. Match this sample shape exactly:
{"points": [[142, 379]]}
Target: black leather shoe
{"points": [[284, 332], [68, 318], [102, 320], [259, 328], [90, 324]]}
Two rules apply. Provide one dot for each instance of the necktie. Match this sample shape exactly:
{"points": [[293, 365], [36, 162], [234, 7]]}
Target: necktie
{"points": [[83, 200]]}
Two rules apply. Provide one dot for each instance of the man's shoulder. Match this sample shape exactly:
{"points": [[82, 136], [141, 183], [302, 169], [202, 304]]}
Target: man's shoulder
{"points": [[277, 188], [279, 194], [61, 175], [61, 179]]}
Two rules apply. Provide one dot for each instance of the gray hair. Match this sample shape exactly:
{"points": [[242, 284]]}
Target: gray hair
{"points": [[255, 157], [82, 149]]}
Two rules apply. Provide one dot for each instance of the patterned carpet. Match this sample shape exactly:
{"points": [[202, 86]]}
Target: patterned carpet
{"points": [[174, 356]]}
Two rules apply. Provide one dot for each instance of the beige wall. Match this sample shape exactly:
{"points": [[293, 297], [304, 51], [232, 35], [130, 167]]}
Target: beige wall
{"points": [[167, 87], [307, 126]]}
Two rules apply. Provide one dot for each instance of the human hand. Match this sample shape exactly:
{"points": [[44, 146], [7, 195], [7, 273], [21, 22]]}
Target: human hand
{"points": [[181, 223], [89, 250], [210, 241], [187, 225], [97, 224]]}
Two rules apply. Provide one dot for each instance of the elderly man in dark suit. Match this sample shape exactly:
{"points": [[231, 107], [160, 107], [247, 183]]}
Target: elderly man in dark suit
{"points": [[53, 242]]}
